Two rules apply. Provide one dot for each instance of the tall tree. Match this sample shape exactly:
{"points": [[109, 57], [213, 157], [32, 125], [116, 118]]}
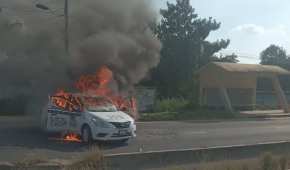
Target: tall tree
{"points": [[275, 55], [185, 48]]}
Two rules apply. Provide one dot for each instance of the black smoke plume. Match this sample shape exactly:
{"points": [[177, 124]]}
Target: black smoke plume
{"points": [[114, 33]]}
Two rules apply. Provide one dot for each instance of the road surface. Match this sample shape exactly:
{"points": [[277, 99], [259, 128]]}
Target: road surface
{"points": [[20, 138]]}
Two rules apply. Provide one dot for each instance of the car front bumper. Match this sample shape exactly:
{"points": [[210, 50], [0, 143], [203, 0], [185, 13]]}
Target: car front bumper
{"points": [[114, 134]]}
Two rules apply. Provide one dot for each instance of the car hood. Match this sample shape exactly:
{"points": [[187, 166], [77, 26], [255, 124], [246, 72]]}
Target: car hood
{"points": [[113, 116]]}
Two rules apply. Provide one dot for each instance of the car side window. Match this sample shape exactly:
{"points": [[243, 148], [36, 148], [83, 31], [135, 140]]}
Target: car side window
{"points": [[68, 103]]}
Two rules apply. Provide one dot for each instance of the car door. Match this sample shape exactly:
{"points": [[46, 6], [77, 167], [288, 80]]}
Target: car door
{"points": [[64, 114], [57, 121]]}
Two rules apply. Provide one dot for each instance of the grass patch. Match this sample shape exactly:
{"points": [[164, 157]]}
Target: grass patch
{"points": [[30, 161], [182, 109], [93, 160], [200, 114], [170, 105], [265, 162]]}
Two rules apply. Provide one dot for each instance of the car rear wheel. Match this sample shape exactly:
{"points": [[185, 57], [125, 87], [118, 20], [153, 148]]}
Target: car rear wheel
{"points": [[86, 134]]}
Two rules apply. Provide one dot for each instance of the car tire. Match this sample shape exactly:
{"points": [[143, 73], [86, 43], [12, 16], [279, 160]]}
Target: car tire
{"points": [[86, 134]]}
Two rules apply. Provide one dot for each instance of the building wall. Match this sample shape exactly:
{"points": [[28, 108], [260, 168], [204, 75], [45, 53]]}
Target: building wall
{"points": [[241, 87], [213, 79]]}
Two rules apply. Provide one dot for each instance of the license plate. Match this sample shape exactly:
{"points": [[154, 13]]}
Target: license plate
{"points": [[123, 132]]}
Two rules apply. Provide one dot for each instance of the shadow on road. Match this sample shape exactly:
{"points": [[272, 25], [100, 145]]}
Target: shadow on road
{"points": [[32, 137]]}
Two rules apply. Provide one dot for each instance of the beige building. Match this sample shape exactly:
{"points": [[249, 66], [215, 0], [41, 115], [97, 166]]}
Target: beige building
{"points": [[232, 85]]}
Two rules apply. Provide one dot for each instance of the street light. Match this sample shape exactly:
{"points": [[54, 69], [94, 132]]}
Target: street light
{"points": [[66, 31]]}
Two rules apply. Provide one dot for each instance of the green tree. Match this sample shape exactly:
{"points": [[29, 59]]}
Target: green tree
{"points": [[185, 48], [275, 55]]}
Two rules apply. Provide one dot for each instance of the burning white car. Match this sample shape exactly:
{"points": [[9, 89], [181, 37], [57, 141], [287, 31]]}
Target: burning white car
{"points": [[90, 117]]}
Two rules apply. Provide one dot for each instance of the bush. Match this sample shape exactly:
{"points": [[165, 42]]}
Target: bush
{"points": [[268, 162], [187, 115], [170, 105]]}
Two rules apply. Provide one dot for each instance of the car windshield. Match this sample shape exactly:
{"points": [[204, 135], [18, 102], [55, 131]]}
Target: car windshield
{"points": [[108, 108], [99, 104]]}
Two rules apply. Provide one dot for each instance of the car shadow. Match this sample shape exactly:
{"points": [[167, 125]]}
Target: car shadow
{"points": [[34, 138]]}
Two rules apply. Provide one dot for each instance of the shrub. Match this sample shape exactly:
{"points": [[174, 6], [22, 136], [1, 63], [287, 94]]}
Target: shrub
{"points": [[170, 105], [269, 163], [283, 163]]}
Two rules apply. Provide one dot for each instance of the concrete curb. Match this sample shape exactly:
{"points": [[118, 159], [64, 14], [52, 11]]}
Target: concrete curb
{"points": [[242, 117], [265, 116]]}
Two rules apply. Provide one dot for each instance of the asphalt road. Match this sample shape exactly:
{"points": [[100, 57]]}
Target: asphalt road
{"points": [[21, 139]]}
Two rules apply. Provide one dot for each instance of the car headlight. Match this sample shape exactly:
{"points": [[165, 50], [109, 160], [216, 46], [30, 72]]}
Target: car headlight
{"points": [[101, 123]]}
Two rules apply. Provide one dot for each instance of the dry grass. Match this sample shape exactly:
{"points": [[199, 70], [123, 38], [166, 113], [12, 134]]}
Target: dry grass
{"points": [[29, 162], [93, 160], [266, 162]]}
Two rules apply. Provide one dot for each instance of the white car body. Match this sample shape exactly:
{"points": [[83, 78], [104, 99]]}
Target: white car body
{"points": [[104, 125]]}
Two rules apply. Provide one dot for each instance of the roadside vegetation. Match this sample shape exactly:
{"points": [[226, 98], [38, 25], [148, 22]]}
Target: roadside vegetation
{"points": [[266, 162], [182, 109], [92, 160]]}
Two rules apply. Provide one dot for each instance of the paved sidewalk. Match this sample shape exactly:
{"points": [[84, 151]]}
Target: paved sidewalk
{"points": [[264, 114]]}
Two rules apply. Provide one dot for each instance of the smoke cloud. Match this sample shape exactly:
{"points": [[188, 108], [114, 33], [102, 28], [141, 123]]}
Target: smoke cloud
{"points": [[102, 32]]}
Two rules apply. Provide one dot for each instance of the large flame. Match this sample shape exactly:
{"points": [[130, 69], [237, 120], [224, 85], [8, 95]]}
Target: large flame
{"points": [[95, 85], [67, 101], [98, 85]]}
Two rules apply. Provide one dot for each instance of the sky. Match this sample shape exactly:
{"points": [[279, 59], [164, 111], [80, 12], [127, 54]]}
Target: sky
{"points": [[251, 25]]}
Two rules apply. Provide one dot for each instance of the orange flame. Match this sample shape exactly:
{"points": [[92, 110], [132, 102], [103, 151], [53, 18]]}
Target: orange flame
{"points": [[72, 138], [67, 101], [97, 85]]}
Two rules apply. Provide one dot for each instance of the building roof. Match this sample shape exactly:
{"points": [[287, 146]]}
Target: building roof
{"points": [[248, 68]]}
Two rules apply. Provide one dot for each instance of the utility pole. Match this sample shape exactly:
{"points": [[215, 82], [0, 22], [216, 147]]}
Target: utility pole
{"points": [[66, 34]]}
